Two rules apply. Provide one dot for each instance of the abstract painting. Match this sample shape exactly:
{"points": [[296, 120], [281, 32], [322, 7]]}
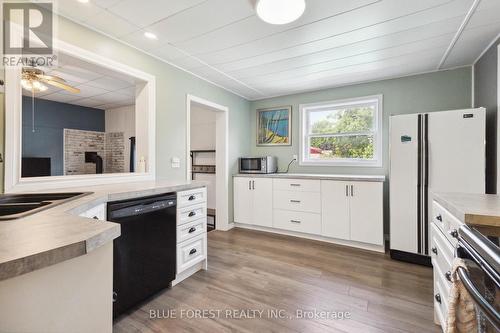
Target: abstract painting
{"points": [[274, 126]]}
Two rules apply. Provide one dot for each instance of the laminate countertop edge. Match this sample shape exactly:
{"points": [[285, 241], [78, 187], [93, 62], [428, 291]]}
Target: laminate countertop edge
{"points": [[353, 178], [59, 234], [480, 210]]}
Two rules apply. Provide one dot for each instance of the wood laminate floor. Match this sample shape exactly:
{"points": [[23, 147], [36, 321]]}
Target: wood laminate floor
{"points": [[252, 271]]}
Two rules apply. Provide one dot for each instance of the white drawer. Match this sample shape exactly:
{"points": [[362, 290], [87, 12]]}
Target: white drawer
{"points": [[309, 223], [191, 213], [302, 185], [441, 303], [191, 252], [191, 197], [448, 223], [441, 250], [191, 229], [97, 212], [297, 201]]}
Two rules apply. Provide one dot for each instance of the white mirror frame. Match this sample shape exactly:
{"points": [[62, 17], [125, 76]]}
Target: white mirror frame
{"points": [[145, 129]]}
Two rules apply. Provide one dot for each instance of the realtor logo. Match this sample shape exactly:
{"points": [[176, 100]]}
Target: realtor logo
{"points": [[28, 33]]}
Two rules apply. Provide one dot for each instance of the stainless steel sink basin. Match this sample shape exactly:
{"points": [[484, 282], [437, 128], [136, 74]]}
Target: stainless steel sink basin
{"points": [[36, 197], [14, 206]]}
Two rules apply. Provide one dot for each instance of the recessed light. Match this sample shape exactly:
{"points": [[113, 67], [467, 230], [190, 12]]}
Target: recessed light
{"points": [[150, 35], [83, 1], [280, 11]]}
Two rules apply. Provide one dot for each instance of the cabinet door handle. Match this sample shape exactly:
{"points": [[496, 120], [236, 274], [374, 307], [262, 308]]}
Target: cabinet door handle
{"points": [[434, 250], [438, 298], [95, 218], [193, 251], [439, 218], [447, 275], [454, 233], [295, 201], [191, 214], [347, 190], [191, 230], [352, 190], [249, 184], [295, 221], [115, 296], [253, 184], [191, 198]]}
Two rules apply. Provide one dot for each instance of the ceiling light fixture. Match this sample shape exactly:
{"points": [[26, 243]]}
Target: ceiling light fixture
{"points": [[280, 11], [83, 1], [150, 35]]}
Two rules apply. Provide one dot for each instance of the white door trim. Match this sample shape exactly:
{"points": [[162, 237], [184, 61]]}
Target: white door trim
{"points": [[221, 162]]}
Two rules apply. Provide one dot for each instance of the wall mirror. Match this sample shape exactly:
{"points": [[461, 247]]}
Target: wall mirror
{"points": [[86, 119]]}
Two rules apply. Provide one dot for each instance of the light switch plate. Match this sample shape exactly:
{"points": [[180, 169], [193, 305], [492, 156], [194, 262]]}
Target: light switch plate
{"points": [[176, 162]]}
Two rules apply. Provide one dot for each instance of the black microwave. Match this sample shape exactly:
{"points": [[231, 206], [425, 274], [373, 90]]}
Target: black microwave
{"points": [[267, 164]]}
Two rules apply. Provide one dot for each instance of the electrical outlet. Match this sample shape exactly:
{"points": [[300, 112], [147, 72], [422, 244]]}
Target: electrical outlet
{"points": [[295, 157]]}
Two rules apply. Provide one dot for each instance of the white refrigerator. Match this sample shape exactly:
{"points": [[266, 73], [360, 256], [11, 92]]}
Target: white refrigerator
{"points": [[431, 152]]}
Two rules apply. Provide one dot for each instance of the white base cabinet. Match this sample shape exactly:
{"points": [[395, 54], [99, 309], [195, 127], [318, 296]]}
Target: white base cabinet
{"points": [[345, 212], [253, 201]]}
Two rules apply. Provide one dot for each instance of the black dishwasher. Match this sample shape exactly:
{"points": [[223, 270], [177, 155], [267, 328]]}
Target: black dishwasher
{"points": [[144, 258]]}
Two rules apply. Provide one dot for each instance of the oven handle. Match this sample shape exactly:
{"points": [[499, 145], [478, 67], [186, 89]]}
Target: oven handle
{"points": [[486, 307]]}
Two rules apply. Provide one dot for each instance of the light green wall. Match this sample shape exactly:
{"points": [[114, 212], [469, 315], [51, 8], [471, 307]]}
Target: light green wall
{"points": [[172, 86], [443, 90], [2, 149]]}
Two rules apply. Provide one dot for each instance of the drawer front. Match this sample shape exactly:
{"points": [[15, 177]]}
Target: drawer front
{"points": [[191, 197], [448, 223], [191, 230], [441, 250], [438, 216], [444, 283], [309, 223], [97, 212], [452, 224], [191, 213], [191, 252], [297, 201], [300, 185], [440, 304]]}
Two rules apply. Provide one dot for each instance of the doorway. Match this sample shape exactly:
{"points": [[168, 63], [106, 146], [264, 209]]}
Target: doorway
{"points": [[206, 158]]}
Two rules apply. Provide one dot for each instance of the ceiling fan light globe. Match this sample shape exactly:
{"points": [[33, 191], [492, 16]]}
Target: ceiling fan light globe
{"points": [[280, 11]]}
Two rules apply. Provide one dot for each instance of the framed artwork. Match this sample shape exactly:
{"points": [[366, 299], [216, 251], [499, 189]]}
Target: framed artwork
{"points": [[274, 126]]}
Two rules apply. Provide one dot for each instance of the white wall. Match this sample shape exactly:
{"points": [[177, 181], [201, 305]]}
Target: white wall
{"points": [[203, 125], [122, 119]]}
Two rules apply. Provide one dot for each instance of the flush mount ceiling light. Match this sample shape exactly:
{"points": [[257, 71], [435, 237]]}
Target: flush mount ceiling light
{"points": [[83, 1], [280, 11], [150, 35]]}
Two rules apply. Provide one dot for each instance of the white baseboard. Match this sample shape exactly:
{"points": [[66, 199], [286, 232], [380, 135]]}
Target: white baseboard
{"points": [[364, 246], [190, 271]]}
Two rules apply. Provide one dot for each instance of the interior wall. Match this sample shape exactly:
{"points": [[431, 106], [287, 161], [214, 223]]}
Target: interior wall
{"points": [[202, 137], [486, 95], [444, 90], [172, 87], [51, 118], [2, 145], [122, 119]]}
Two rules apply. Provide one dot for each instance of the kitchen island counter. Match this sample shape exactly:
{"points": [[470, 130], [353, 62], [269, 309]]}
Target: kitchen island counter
{"points": [[59, 233]]}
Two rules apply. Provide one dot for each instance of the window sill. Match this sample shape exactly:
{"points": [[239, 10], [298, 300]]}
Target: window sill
{"points": [[374, 164]]}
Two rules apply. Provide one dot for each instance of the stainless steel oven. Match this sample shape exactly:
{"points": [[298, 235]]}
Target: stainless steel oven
{"points": [[482, 279], [266, 164]]}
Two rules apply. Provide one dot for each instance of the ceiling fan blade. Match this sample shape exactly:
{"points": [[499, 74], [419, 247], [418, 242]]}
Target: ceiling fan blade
{"points": [[61, 85], [51, 77]]}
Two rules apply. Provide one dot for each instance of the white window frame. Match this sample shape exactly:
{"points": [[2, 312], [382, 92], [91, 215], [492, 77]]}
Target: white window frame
{"points": [[377, 134]]}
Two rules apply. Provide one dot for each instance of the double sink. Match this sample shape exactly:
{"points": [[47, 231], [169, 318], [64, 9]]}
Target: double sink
{"points": [[14, 206]]}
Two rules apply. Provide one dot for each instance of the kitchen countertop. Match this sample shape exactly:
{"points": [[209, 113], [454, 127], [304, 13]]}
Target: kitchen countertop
{"points": [[57, 234], [479, 210], [367, 178]]}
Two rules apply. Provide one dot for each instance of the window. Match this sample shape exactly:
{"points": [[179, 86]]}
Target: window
{"points": [[344, 132]]}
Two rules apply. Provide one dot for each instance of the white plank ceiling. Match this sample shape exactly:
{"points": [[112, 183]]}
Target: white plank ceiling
{"points": [[334, 43], [100, 88]]}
